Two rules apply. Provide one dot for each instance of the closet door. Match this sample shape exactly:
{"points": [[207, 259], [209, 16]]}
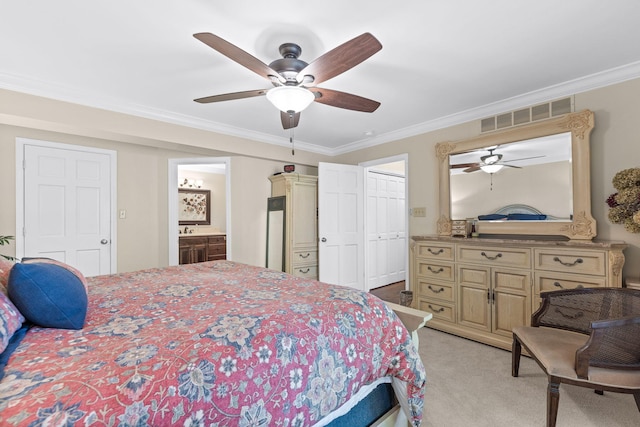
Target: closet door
{"points": [[397, 235], [377, 230], [386, 233]]}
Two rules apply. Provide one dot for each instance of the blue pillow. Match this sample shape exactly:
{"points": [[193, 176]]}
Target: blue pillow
{"points": [[527, 217], [48, 295], [491, 217]]}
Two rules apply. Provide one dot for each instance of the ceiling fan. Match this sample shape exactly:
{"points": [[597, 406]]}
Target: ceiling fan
{"points": [[294, 80], [489, 163]]}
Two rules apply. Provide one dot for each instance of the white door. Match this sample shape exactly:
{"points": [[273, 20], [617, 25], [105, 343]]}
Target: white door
{"points": [[397, 229], [67, 207], [386, 235], [340, 224], [377, 230]]}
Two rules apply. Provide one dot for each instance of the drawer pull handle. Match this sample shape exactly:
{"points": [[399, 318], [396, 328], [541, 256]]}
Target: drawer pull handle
{"points": [[437, 291], [569, 264], [434, 271], [558, 285], [491, 258], [305, 271], [438, 252], [491, 297], [439, 310], [305, 256]]}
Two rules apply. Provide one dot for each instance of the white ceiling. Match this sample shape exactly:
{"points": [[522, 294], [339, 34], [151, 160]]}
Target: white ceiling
{"points": [[443, 61]]}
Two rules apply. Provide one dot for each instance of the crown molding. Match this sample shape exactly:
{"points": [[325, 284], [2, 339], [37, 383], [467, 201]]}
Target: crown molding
{"points": [[39, 88], [583, 84], [46, 89]]}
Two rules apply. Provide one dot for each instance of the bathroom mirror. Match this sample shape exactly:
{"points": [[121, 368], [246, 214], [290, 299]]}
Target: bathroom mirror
{"points": [[542, 186]]}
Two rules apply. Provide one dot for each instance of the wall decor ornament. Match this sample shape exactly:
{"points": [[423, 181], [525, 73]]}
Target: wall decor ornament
{"points": [[194, 207], [624, 204]]}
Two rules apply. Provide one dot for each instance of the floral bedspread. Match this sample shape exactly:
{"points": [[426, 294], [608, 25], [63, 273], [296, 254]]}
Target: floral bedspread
{"points": [[210, 344]]}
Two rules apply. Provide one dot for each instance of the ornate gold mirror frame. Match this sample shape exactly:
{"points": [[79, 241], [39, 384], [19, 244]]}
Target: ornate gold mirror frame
{"points": [[582, 225]]}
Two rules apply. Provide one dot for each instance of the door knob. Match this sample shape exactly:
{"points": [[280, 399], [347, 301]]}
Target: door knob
{"points": [[324, 239], [104, 241]]}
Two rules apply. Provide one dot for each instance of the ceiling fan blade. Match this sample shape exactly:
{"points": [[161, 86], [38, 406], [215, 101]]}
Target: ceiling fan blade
{"points": [[238, 55], [472, 169], [463, 165], [341, 58], [288, 121], [344, 100], [511, 166], [231, 96]]}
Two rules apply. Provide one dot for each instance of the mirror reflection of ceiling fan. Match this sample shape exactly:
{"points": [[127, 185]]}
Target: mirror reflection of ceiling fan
{"points": [[491, 163], [294, 80]]}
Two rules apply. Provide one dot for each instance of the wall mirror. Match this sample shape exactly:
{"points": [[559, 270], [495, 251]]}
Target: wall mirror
{"points": [[276, 233], [527, 180]]}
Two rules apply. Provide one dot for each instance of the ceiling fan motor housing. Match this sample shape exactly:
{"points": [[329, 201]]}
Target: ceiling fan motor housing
{"points": [[289, 65]]}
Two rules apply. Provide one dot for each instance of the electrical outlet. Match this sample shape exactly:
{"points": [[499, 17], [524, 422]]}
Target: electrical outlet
{"points": [[419, 212], [123, 214]]}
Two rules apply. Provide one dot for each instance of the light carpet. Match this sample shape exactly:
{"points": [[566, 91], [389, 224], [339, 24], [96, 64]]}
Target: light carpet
{"points": [[470, 385]]}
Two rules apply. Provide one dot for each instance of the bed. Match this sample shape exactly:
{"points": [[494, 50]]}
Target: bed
{"points": [[216, 344]]}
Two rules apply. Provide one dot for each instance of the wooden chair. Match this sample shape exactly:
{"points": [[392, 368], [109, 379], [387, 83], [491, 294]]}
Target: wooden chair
{"points": [[584, 337]]}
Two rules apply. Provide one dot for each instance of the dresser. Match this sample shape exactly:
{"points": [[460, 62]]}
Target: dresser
{"points": [[481, 288], [301, 222], [201, 248]]}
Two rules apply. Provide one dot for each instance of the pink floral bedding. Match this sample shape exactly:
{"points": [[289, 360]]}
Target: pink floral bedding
{"points": [[215, 344]]}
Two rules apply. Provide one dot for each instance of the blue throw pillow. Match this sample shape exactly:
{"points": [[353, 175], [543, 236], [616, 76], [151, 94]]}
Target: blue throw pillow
{"points": [[48, 295], [527, 217], [491, 217]]}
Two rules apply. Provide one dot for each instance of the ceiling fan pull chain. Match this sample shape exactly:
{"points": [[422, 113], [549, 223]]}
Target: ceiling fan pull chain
{"points": [[293, 152]]}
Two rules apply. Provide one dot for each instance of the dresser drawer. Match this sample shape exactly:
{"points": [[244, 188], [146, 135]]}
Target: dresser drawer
{"points": [[305, 256], [435, 270], [434, 250], [215, 240], [309, 271], [474, 275], [445, 312], [217, 249], [545, 281], [571, 261], [430, 289], [493, 255]]}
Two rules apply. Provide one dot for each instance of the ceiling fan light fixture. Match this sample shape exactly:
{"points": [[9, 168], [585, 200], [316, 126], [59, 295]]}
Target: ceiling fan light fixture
{"points": [[290, 98], [493, 168], [491, 159]]}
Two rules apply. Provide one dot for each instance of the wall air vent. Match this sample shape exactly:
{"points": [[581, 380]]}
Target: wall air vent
{"points": [[527, 115]]}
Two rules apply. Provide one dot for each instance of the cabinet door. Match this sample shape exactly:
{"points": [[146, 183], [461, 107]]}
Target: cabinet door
{"points": [[511, 300], [199, 252], [304, 214], [474, 297], [184, 254]]}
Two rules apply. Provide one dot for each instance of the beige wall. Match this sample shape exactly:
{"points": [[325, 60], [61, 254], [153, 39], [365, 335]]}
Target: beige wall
{"points": [[614, 146], [216, 183], [143, 149], [250, 189]]}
